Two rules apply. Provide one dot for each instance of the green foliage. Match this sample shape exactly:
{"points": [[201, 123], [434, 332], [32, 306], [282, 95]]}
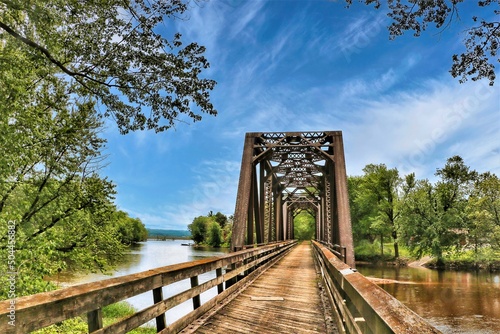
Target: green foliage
{"points": [[71, 326], [226, 234], [130, 230], [214, 234], [375, 204], [107, 52], [369, 251], [199, 228], [110, 314], [51, 194], [50, 190], [208, 230], [436, 215], [221, 219], [483, 213], [304, 226], [459, 214], [361, 210], [481, 42]]}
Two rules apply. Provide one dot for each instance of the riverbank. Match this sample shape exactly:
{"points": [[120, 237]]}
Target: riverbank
{"points": [[490, 266], [432, 263], [485, 259]]}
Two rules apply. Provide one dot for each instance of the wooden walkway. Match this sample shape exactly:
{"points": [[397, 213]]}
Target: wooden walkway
{"points": [[284, 299]]}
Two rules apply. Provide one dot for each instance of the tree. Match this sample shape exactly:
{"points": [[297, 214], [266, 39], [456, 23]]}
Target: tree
{"points": [[379, 190], [361, 210], [50, 191], [436, 215], [199, 228], [106, 52], [221, 219], [482, 41], [304, 226], [483, 210], [130, 230], [214, 237]]}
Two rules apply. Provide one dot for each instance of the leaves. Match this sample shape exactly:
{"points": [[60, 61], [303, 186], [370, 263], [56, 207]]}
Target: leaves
{"points": [[112, 53], [458, 213], [50, 187], [481, 42]]}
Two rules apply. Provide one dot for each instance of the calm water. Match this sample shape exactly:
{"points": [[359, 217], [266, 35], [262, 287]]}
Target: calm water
{"points": [[149, 255], [452, 301]]}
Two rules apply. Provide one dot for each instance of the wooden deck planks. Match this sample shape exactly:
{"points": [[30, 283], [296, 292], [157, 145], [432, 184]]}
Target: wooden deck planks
{"points": [[295, 279]]}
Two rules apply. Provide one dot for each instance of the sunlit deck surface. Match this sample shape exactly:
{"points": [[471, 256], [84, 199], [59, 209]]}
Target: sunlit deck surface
{"points": [[285, 299]]}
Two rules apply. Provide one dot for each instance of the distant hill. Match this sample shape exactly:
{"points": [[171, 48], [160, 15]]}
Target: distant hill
{"points": [[154, 233]]}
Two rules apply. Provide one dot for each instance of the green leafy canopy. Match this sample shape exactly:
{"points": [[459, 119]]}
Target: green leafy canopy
{"points": [[112, 53]]}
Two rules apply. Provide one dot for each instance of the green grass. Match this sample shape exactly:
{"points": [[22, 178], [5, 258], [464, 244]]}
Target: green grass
{"points": [[367, 251], [484, 258], [110, 314]]}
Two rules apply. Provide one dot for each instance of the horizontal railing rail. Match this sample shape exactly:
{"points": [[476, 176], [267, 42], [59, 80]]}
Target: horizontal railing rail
{"points": [[361, 306], [44, 309], [340, 251]]}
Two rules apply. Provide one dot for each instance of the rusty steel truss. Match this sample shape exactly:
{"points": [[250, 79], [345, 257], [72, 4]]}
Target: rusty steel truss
{"points": [[284, 173]]}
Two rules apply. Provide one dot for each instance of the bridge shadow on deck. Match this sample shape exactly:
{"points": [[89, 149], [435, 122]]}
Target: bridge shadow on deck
{"points": [[284, 299]]}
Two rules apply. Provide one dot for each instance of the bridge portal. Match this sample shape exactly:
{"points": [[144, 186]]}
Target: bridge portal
{"points": [[283, 173]]}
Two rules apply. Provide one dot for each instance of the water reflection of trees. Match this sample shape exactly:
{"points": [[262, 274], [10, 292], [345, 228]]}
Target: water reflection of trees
{"points": [[465, 301]]}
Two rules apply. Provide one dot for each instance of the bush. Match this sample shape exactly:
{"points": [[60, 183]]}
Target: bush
{"points": [[214, 235], [367, 251]]}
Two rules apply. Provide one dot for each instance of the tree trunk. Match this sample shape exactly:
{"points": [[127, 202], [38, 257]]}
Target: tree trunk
{"points": [[382, 244], [396, 245]]}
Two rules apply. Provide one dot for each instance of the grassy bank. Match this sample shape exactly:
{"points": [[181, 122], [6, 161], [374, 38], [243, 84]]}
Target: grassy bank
{"points": [[366, 251], [480, 259], [111, 314]]}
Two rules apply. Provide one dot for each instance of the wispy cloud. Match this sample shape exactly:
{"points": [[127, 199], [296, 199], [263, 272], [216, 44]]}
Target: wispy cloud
{"points": [[409, 130], [214, 189], [358, 34], [248, 13]]}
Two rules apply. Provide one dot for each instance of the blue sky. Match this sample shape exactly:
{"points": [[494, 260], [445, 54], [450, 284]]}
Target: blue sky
{"points": [[306, 66]]}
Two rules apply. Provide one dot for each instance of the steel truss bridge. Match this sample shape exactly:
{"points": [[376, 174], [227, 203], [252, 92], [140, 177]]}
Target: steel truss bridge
{"points": [[284, 173]]}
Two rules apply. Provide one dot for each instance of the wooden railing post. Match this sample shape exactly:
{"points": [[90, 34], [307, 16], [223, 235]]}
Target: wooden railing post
{"points": [[160, 320], [233, 280], [196, 299], [220, 287], [94, 320]]}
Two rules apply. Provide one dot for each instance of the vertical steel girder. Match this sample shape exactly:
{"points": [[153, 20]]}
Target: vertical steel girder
{"points": [[283, 173]]}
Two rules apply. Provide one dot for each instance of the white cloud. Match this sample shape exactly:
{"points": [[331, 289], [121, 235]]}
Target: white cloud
{"points": [[409, 130], [358, 34], [214, 190], [248, 14]]}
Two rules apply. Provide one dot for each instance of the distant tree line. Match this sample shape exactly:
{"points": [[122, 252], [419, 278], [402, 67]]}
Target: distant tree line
{"points": [[457, 214], [213, 229]]}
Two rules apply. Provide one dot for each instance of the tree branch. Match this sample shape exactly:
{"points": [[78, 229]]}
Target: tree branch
{"points": [[54, 61]]}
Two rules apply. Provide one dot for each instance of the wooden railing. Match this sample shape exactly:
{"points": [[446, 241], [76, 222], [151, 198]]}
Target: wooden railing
{"points": [[361, 306], [44, 309]]}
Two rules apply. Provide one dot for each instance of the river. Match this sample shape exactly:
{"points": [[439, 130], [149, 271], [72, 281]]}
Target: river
{"points": [[452, 301], [149, 255]]}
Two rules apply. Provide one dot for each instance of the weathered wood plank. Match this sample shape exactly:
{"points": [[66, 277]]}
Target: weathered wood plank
{"points": [[293, 279]]}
